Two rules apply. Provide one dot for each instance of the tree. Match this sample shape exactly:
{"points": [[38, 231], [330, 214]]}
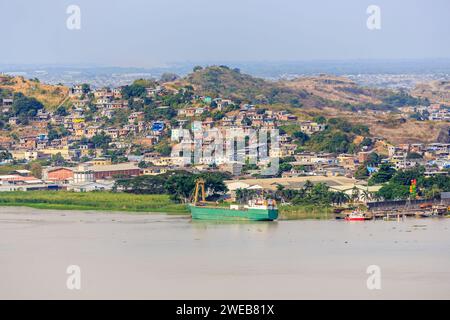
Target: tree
{"points": [[142, 185], [334, 141], [362, 172], [365, 195], [284, 166], [320, 194], [214, 182], [53, 134], [180, 186], [404, 177], [301, 137], [373, 159], [25, 107], [355, 194], [134, 91], [433, 192], [101, 140], [320, 119], [308, 186], [243, 195], [5, 155], [168, 77], [61, 111], [367, 142], [392, 191], [339, 198], [142, 164], [58, 159], [164, 148], [247, 121], [384, 174], [36, 169], [413, 155], [85, 88]]}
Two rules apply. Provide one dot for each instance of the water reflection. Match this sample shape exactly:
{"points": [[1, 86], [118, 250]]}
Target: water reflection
{"points": [[234, 228]]}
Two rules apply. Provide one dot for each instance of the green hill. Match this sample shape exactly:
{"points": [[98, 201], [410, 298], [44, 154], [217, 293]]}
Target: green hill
{"points": [[231, 83], [310, 92]]}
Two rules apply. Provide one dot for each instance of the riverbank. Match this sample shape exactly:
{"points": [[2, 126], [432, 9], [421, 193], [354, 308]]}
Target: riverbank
{"points": [[111, 201], [106, 201], [300, 212]]}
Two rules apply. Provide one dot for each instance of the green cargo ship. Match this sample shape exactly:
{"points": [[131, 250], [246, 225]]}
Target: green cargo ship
{"points": [[256, 210], [247, 213]]}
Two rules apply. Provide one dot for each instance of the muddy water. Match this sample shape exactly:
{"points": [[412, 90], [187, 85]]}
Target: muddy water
{"points": [[170, 257]]}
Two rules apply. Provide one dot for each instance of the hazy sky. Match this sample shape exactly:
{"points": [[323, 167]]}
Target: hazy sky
{"points": [[148, 33]]}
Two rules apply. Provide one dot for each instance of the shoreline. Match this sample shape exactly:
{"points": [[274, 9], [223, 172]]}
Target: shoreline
{"points": [[89, 210], [285, 216], [132, 203], [95, 201]]}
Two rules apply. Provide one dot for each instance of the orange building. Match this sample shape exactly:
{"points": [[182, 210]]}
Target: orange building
{"points": [[59, 174]]}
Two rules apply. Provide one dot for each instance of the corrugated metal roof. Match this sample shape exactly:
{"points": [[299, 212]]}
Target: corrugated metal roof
{"points": [[114, 167]]}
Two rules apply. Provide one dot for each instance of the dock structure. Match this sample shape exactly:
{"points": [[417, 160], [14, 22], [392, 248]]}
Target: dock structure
{"points": [[407, 208]]}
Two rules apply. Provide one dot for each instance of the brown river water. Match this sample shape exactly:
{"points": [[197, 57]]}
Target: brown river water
{"points": [[156, 256]]}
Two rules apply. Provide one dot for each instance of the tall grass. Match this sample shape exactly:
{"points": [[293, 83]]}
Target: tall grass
{"points": [[108, 201], [305, 212]]}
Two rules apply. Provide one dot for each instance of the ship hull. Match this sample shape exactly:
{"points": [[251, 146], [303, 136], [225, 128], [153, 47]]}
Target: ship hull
{"points": [[212, 213], [356, 219]]}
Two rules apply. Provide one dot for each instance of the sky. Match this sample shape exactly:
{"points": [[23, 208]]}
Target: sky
{"points": [[150, 33]]}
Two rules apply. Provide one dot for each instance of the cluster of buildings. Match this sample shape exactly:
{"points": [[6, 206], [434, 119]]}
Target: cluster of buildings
{"points": [[88, 167], [435, 157], [433, 112], [90, 110], [95, 175]]}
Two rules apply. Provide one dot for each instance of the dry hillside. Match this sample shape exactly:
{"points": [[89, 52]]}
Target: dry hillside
{"points": [[50, 95], [339, 89], [393, 127], [435, 91]]}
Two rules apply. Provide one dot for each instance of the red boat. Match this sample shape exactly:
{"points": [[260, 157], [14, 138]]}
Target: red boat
{"points": [[356, 216]]}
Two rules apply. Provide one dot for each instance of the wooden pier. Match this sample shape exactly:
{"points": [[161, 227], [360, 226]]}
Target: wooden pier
{"points": [[398, 210], [407, 208]]}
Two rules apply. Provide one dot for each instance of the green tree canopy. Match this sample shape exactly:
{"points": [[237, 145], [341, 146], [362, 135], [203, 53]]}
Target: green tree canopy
{"points": [[25, 106], [384, 174]]}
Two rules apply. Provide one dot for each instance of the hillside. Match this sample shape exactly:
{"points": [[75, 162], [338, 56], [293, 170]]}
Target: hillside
{"points": [[50, 95], [313, 92], [338, 89], [323, 95], [231, 83], [436, 91], [306, 97]]}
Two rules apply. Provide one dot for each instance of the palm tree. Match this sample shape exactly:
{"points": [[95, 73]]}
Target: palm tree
{"points": [[355, 194], [243, 195], [279, 192], [365, 195], [339, 197], [240, 195], [308, 186]]}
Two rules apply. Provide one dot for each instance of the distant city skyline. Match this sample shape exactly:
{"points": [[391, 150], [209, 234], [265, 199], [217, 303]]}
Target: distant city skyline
{"points": [[138, 33]]}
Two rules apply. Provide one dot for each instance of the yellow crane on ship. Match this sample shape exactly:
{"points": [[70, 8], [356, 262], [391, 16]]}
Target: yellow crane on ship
{"points": [[199, 185]]}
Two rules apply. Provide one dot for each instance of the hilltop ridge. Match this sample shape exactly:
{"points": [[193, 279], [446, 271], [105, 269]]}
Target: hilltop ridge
{"points": [[308, 92], [49, 95]]}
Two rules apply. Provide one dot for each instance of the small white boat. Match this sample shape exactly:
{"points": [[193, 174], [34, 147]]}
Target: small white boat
{"points": [[356, 216]]}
